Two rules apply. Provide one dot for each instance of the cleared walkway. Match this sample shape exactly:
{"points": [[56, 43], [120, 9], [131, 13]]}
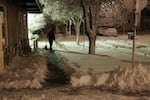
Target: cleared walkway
{"points": [[59, 74]]}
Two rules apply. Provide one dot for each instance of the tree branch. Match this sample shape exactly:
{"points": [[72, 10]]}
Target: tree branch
{"points": [[86, 14]]}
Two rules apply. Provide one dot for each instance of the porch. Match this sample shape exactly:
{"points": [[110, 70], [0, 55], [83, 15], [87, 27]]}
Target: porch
{"points": [[13, 27]]}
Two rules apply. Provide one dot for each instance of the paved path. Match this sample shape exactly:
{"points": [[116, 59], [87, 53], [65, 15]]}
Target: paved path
{"points": [[57, 74]]}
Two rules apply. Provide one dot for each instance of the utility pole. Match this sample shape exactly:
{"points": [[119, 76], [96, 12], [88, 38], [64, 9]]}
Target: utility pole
{"points": [[134, 34], [136, 7]]}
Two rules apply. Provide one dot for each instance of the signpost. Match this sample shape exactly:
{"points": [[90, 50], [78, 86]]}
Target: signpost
{"points": [[135, 6]]}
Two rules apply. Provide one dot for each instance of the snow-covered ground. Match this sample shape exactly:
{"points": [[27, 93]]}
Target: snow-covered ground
{"points": [[102, 68], [24, 72], [111, 52]]}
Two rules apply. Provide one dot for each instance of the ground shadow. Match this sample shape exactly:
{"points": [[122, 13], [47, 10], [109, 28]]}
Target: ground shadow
{"points": [[73, 52], [56, 75]]}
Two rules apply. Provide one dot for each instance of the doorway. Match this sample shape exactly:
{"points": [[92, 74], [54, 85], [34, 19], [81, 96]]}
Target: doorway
{"points": [[145, 22]]}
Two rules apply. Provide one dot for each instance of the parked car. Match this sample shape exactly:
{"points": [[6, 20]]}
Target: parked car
{"points": [[103, 31]]}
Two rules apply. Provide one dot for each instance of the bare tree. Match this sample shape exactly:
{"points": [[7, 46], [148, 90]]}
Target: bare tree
{"points": [[91, 9], [73, 10], [76, 16], [65, 11]]}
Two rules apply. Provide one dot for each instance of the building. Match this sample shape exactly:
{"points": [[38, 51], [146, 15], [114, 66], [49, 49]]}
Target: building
{"points": [[13, 27], [145, 20]]}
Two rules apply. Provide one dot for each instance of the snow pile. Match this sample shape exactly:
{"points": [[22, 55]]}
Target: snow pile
{"points": [[131, 79], [24, 72], [79, 81], [102, 79], [128, 79], [31, 97], [86, 79]]}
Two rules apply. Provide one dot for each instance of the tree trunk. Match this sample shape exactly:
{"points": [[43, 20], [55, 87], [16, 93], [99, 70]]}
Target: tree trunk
{"points": [[66, 29], [92, 41], [77, 32], [69, 32], [91, 21]]}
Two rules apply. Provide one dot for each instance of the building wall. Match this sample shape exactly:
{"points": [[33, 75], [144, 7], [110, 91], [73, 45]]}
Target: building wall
{"points": [[15, 30], [12, 24]]}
